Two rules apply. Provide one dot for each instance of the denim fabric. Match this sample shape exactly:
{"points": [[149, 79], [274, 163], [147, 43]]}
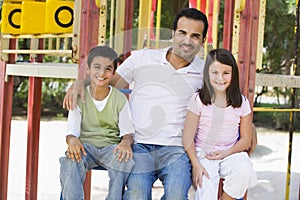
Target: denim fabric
{"points": [[72, 173], [170, 164]]}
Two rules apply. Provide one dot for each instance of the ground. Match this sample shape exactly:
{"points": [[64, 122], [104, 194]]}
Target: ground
{"points": [[269, 159]]}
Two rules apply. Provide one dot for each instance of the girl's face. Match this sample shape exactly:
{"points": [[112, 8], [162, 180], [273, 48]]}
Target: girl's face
{"points": [[101, 71], [219, 76]]}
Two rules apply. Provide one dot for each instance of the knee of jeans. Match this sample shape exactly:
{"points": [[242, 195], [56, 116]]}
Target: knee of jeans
{"points": [[66, 163], [175, 195], [136, 194]]}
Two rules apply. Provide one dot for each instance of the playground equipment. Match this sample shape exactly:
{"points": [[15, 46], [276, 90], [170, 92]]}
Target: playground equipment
{"points": [[242, 34]]}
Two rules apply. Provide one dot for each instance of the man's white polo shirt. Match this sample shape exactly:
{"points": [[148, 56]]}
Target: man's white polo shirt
{"points": [[160, 95]]}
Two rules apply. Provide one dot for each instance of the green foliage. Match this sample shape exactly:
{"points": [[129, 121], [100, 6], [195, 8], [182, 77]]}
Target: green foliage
{"points": [[279, 36]]}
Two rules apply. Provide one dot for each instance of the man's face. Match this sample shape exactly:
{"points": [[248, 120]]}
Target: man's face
{"points": [[188, 38]]}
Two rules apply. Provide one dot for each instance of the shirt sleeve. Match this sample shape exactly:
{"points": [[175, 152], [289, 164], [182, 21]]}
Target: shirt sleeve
{"points": [[126, 69], [74, 122], [194, 105], [246, 109], [125, 121]]}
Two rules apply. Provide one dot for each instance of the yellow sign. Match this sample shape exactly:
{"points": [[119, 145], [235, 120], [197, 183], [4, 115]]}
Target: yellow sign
{"points": [[36, 17], [59, 16], [11, 18]]}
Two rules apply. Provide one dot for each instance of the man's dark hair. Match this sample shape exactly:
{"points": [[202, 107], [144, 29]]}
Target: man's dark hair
{"points": [[103, 51], [191, 13]]}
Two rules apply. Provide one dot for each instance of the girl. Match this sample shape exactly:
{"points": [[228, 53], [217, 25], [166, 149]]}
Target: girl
{"points": [[211, 134]]}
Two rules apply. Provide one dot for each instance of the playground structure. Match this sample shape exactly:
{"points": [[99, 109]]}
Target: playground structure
{"points": [[242, 34]]}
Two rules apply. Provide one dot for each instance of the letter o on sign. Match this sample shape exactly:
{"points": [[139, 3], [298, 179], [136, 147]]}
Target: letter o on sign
{"points": [[10, 16], [62, 8]]}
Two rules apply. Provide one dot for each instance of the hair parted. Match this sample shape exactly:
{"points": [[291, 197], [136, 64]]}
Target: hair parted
{"points": [[233, 93]]}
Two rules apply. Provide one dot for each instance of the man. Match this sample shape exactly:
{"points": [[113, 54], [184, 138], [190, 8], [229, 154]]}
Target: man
{"points": [[164, 80]]}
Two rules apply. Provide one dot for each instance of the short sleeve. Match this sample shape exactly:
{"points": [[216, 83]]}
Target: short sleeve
{"points": [[195, 104], [246, 109], [126, 69]]}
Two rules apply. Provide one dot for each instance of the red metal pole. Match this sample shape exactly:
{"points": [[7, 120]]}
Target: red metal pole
{"points": [[33, 135], [6, 98], [228, 23], [128, 20], [248, 47], [88, 32], [88, 38]]}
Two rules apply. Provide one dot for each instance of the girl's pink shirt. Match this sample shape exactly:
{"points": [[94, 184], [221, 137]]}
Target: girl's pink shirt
{"points": [[218, 128]]}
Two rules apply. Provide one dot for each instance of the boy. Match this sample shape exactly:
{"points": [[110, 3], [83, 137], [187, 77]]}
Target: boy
{"points": [[99, 131]]}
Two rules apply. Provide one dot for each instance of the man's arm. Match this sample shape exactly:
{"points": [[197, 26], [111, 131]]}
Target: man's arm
{"points": [[77, 88], [253, 141]]}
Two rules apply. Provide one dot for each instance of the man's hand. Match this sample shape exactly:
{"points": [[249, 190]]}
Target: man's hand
{"points": [[75, 148], [70, 100], [123, 149]]}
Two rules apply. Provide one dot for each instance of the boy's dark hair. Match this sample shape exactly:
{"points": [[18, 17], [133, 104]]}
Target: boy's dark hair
{"points": [[103, 51], [233, 93], [191, 13]]}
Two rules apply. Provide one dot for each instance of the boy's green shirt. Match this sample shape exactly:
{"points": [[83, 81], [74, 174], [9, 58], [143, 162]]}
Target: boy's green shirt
{"points": [[101, 128]]}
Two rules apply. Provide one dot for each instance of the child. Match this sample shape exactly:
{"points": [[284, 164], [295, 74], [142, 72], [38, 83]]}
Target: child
{"points": [[99, 131], [211, 134]]}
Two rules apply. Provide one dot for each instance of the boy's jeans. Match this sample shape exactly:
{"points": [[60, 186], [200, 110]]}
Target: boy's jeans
{"points": [[170, 164], [72, 173]]}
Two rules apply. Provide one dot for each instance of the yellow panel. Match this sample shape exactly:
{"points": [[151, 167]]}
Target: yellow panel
{"points": [[33, 22], [59, 16], [11, 18]]}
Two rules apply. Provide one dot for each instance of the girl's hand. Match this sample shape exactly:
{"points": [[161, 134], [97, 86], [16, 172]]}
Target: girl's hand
{"points": [[217, 155], [198, 172]]}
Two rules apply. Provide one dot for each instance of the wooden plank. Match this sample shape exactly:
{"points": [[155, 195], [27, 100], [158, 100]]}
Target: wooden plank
{"points": [[50, 70], [276, 80]]}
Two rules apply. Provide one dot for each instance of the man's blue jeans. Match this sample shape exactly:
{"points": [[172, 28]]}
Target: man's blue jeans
{"points": [[170, 164], [72, 173]]}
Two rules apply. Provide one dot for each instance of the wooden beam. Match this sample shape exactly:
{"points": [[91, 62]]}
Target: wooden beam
{"points": [[276, 80]]}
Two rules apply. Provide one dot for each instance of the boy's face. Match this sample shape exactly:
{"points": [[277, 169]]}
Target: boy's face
{"points": [[188, 38], [101, 71]]}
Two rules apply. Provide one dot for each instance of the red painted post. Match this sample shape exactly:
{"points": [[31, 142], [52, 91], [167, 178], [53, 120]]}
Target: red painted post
{"points": [[88, 39], [33, 115], [228, 23], [128, 20], [248, 47], [6, 98], [88, 32], [33, 135]]}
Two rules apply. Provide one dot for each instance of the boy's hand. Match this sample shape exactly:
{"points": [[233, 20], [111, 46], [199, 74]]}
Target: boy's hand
{"points": [[70, 99], [123, 149], [75, 148]]}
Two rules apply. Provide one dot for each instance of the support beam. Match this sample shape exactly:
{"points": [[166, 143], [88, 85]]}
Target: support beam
{"points": [[6, 97], [33, 134]]}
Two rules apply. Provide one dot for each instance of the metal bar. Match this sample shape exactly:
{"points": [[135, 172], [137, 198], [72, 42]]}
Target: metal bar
{"points": [[102, 23], [228, 23], [88, 32], [88, 39], [269, 109], [128, 20], [293, 103], [6, 96], [111, 24], [33, 135], [158, 20]]}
